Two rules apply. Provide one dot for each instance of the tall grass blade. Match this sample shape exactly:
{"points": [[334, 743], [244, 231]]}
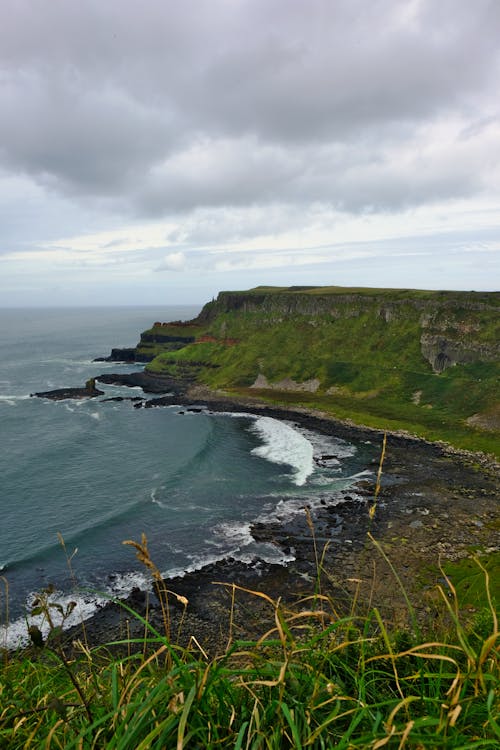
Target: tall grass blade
{"points": [[184, 717]]}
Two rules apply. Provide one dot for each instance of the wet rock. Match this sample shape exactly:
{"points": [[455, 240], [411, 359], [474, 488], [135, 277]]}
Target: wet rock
{"points": [[123, 398], [60, 394], [119, 355]]}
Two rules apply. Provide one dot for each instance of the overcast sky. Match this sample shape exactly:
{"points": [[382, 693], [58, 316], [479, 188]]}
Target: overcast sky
{"points": [[158, 151]]}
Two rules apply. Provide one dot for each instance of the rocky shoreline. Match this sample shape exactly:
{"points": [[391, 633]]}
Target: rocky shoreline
{"points": [[435, 504]]}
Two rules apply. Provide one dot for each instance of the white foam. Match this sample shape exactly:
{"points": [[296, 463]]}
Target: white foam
{"points": [[243, 547], [12, 400], [66, 403], [265, 551], [154, 499], [284, 445], [15, 634], [76, 363], [284, 509], [123, 584], [237, 534], [364, 473], [328, 445], [232, 540], [320, 480]]}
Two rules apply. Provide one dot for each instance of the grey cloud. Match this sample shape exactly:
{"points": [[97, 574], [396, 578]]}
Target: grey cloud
{"points": [[219, 173], [29, 213], [82, 138], [291, 101], [351, 177], [345, 67]]}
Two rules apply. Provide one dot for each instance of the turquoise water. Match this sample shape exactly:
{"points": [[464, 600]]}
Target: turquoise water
{"points": [[96, 473]]}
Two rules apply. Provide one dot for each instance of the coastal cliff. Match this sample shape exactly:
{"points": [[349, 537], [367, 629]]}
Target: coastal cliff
{"points": [[455, 327], [428, 361]]}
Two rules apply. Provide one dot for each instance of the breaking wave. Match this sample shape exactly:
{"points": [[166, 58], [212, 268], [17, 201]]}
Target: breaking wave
{"points": [[284, 445]]}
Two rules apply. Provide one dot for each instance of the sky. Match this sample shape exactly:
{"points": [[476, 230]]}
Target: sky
{"points": [[160, 151]]}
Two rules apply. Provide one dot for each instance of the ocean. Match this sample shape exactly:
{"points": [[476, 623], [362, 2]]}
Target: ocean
{"points": [[80, 477]]}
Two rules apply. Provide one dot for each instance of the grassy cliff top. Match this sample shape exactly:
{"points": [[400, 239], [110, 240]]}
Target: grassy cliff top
{"points": [[491, 297]]}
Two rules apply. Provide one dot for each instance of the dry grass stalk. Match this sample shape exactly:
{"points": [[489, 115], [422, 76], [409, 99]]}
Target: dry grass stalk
{"points": [[373, 507], [143, 555]]}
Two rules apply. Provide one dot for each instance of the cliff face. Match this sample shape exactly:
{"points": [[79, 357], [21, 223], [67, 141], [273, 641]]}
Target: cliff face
{"points": [[454, 327], [446, 350], [165, 337]]}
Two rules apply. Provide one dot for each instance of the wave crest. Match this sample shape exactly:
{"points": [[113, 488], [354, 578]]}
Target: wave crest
{"points": [[284, 445]]}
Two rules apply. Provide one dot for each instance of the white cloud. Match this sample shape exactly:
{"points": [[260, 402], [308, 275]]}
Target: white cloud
{"points": [[173, 262]]}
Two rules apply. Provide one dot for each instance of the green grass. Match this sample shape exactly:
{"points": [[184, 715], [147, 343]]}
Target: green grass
{"points": [[150, 349], [404, 294], [316, 678], [174, 330], [468, 578]]}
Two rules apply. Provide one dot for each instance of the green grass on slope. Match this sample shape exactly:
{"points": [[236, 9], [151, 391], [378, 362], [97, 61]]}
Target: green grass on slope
{"points": [[320, 679], [369, 370], [302, 347]]}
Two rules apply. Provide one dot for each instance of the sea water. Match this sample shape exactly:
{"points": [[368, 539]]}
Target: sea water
{"points": [[78, 477]]}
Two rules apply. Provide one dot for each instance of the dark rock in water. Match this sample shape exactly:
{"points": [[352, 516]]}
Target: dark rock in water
{"points": [[323, 460], [60, 394], [119, 355], [123, 398], [149, 382]]}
